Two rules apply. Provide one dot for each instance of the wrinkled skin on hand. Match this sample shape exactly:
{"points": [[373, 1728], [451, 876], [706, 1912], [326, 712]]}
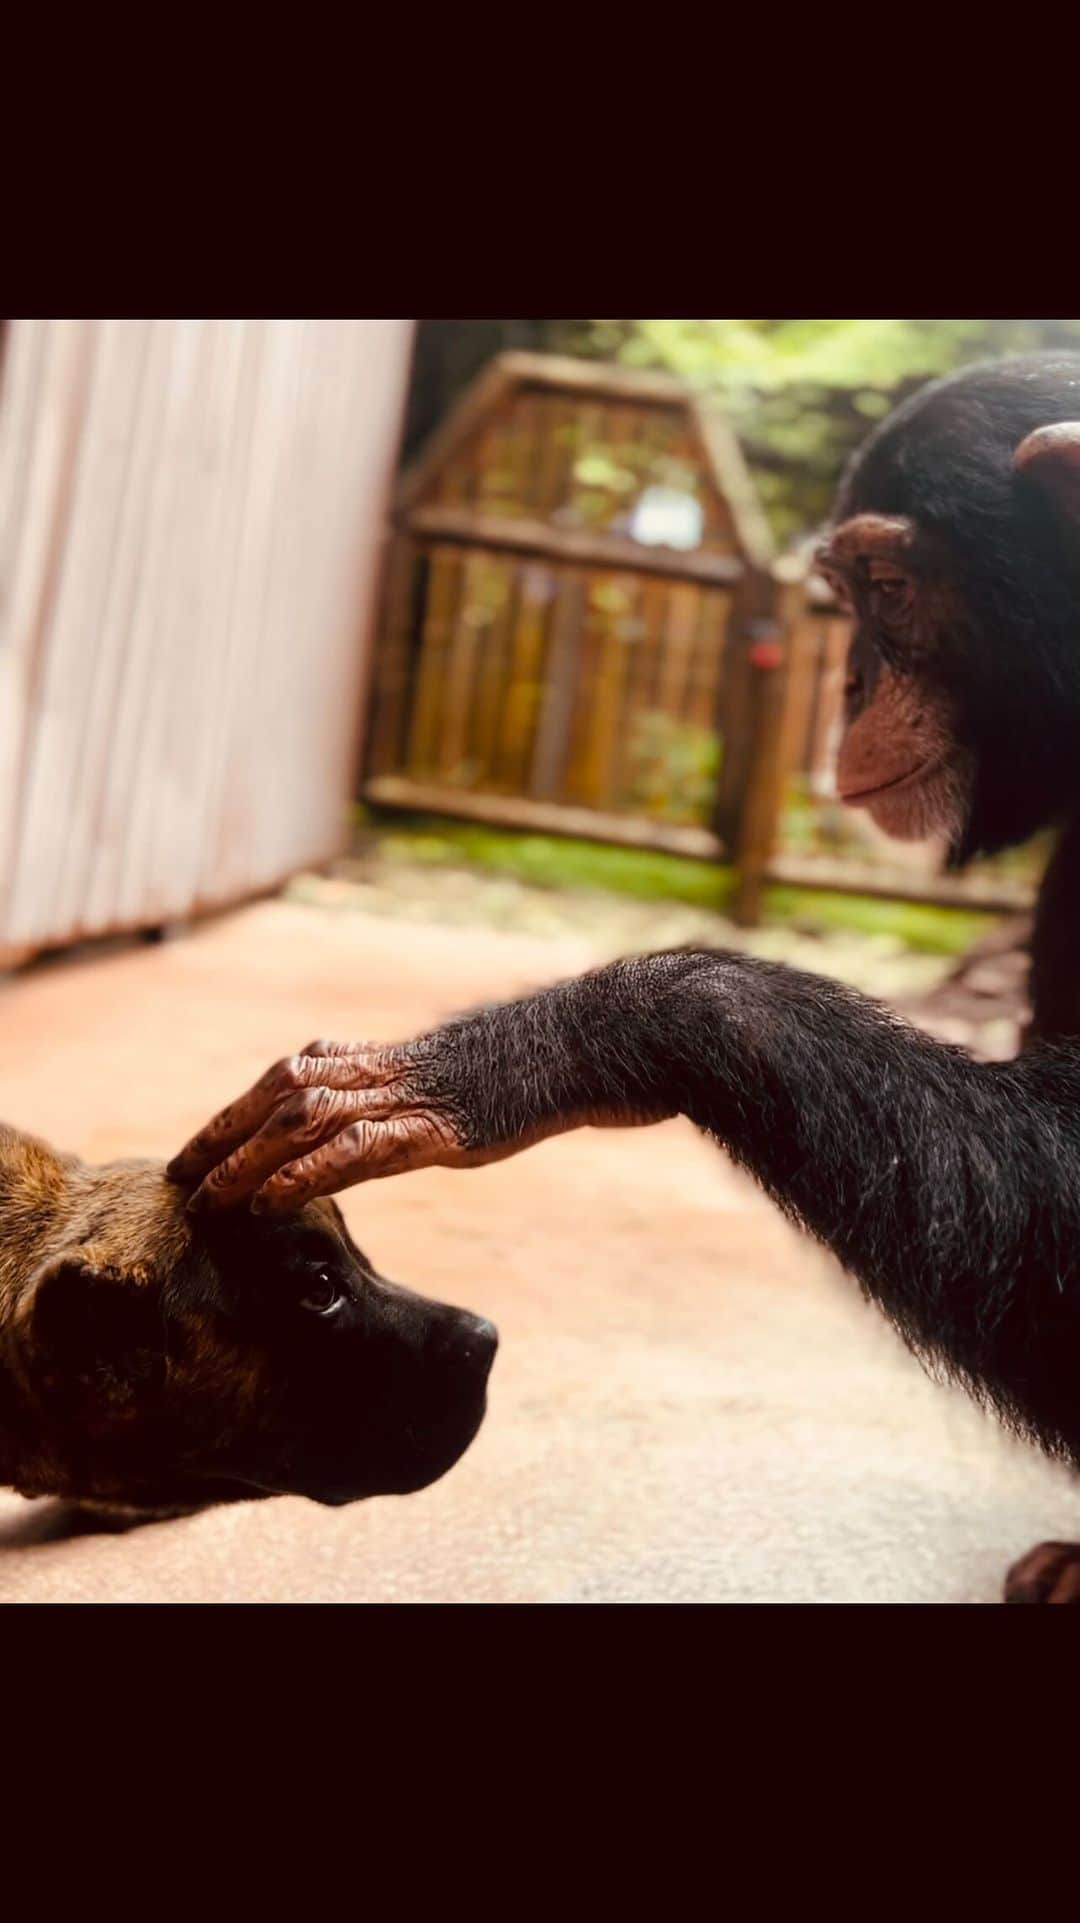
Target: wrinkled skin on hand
{"points": [[335, 1114], [480, 1088]]}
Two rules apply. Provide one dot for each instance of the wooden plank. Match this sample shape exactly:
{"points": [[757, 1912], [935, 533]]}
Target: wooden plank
{"points": [[640, 691], [995, 896], [811, 872], [492, 678], [684, 604], [526, 420], [585, 713], [777, 702], [602, 665], [525, 682], [552, 744], [462, 661], [703, 706], [731, 478], [613, 673], [800, 679], [832, 672], [390, 680], [452, 435], [579, 548], [444, 592], [588, 430], [595, 380], [547, 818], [554, 457]]}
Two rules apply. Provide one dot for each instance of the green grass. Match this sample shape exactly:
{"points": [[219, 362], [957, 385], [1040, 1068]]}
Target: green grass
{"points": [[926, 927], [554, 861]]}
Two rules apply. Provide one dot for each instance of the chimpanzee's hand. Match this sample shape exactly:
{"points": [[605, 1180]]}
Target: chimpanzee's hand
{"points": [[593, 1051], [335, 1114]]}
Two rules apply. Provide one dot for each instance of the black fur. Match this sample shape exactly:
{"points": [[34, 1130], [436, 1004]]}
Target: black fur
{"points": [[949, 1188], [945, 460]]}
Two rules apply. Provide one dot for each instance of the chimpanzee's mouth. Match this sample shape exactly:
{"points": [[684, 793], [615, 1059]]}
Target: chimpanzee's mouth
{"points": [[897, 785]]}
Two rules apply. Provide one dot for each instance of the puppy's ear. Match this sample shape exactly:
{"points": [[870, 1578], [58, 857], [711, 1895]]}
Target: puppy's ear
{"points": [[95, 1325]]}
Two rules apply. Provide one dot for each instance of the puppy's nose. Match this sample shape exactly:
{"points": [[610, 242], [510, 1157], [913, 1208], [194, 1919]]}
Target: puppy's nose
{"points": [[479, 1341]]}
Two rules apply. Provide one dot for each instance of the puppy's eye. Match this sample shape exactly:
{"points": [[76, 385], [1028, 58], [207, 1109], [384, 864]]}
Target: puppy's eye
{"points": [[323, 1295]]}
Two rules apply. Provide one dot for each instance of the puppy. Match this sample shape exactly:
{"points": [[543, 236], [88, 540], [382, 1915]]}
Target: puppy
{"points": [[154, 1362]]}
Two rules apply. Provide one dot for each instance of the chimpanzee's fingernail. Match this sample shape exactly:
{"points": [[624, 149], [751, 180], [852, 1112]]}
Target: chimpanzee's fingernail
{"points": [[259, 1204], [196, 1203]]}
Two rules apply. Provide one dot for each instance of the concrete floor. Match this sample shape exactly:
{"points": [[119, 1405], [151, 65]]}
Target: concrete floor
{"points": [[690, 1403]]}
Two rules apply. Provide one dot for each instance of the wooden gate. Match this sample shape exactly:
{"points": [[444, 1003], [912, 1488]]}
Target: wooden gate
{"points": [[578, 582]]}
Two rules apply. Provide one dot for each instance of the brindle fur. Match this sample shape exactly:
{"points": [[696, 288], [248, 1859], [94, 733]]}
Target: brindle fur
{"points": [[151, 1362]]}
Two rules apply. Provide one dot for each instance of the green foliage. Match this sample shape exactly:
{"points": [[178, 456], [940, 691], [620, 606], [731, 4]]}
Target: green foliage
{"points": [[552, 861], [802, 394], [923, 926], [676, 767]]}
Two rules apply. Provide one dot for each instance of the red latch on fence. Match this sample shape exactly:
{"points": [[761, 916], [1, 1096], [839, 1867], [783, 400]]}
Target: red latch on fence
{"points": [[766, 649]]}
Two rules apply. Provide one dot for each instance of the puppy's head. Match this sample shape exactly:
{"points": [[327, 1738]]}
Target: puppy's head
{"points": [[155, 1359]]}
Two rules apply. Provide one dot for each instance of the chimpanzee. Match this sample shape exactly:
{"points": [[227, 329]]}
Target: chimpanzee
{"points": [[949, 1188]]}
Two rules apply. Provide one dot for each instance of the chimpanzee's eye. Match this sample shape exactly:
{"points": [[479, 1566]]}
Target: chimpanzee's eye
{"points": [[323, 1295], [891, 591]]}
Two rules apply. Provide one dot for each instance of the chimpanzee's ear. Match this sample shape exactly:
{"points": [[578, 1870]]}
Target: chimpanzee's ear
{"points": [[89, 1322], [1050, 459]]}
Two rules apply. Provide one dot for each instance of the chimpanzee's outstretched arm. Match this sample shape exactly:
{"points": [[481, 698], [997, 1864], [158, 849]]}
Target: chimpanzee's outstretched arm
{"points": [[950, 1188]]}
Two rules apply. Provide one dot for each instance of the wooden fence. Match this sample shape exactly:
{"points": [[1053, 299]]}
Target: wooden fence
{"points": [[543, 660], [547, 662], [191, 516]]}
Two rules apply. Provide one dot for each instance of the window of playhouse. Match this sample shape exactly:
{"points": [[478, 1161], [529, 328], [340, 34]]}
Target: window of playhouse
{"points": [[667, 517]]}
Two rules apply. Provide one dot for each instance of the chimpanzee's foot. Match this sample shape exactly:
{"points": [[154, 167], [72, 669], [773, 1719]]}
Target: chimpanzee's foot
{"points": [[1048, 1574]]}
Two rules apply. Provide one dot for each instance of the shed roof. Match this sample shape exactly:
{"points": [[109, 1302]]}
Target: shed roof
{"points": [[520, 396]]}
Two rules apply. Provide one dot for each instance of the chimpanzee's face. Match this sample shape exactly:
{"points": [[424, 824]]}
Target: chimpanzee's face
{"points": [[901, 756]]}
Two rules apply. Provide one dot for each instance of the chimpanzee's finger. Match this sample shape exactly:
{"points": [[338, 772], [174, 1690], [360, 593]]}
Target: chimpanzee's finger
{"points": [[322, 1048], [233, 1125], [297, 1126], [300, 1124], [367, 1149]]}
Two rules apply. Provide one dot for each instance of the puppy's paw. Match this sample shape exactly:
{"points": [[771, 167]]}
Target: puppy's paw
{"points": [[1049, 1573]]}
